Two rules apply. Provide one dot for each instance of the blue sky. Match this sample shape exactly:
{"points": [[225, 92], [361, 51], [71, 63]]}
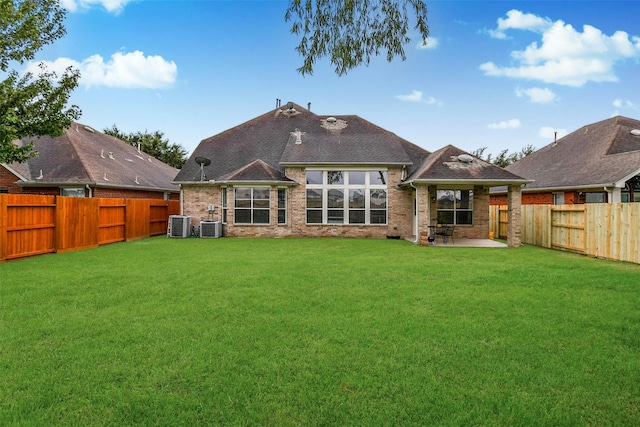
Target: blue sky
{"points": [[495, 74]]}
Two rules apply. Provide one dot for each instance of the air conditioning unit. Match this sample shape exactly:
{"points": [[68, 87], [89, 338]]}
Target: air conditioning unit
{"points": [[210, 229], [179, 226]]}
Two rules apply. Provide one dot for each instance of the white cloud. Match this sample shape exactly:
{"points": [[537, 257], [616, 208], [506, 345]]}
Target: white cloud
{"points": [[417, 96], [621, 103], [537, 95], [550, 133], [505, 124], [564, 55], [519, 21], [112, 6], [431, 43], [124, 70]]}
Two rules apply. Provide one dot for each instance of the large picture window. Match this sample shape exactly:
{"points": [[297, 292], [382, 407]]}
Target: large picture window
{"points": [[251, 205], [346, 197], [455, 207]]}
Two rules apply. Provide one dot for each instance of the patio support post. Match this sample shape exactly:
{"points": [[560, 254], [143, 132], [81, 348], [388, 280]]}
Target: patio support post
{"points": [[514, 226]]}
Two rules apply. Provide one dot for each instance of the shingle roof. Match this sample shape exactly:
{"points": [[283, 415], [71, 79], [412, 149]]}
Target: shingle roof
{"points": [[85, 156], [599, 154], [272, 138], [446, 165]]}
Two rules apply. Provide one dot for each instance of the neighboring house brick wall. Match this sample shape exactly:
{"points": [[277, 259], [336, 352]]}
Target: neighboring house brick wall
{"points": [[43, 191], [115, 193], [7, 180], [546, 198]]}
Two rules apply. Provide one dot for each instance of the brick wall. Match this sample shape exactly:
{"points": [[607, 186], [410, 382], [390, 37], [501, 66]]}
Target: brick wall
{"points": [[546, 198], [114, 193], [7, 180], [196, 199]]}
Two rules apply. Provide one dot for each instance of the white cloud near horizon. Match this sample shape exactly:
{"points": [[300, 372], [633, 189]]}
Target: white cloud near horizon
{"points": [[621, 103], [112, 6], [564, 55], [418, 97], [131, 70], [431, 43], [537, 95], [549, 133], [505, 124]]}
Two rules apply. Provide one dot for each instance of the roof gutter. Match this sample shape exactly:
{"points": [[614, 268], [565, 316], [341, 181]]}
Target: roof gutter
{"points": [[565, 188], [488, 182], [93, 184], [236, 182]]}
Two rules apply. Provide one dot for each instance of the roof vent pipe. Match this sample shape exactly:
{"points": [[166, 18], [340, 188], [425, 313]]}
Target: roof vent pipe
{"points": [[308, 106], [555, 136]]}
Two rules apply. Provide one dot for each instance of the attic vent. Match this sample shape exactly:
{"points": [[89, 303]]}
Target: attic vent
{"points": [[465, 158], [88, 129], [298, 136], [331, 120], [635, 132], [111, 155]]}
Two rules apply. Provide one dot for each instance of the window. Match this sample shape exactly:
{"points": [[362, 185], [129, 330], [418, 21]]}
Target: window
{"points": [[282, 205], [223, 202], [558, 198], [455, 207], [346, 197], [251, 205], [599, 197], [72, 192]]}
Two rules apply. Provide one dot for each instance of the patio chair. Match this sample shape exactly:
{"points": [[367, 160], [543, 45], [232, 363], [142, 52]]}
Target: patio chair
{"points": [[446, 231]]}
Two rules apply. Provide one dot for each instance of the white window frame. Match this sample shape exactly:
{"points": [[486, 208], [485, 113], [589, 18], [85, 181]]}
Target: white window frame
{"points": [[224, 196], [282, 205], [341, 215], [252, 208]]}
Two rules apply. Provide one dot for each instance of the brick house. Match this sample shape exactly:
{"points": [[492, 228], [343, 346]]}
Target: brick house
{"points": [[87, 163], [598, 163], [290, 172]]}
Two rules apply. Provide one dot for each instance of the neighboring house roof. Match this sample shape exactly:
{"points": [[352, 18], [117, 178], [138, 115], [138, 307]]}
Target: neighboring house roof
{"points": [[84, 156], [450, 165], [602, 154], [293, 135]]}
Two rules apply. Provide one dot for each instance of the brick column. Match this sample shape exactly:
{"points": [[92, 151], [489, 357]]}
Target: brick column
{"points": [[514, 227]]}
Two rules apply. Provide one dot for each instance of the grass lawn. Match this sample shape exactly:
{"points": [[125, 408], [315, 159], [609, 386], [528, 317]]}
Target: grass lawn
{"points": [[290, 332]]}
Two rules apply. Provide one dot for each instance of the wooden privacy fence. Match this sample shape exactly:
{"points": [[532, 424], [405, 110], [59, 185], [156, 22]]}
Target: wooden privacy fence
{"points": [[33, 225], [604, 230]]}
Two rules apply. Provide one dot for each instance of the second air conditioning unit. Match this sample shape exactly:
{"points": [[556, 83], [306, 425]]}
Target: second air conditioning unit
{"points": [[210, 229]]}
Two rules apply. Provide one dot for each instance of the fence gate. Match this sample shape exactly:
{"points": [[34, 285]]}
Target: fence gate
{"points": [[568, 228], [503, 222]]}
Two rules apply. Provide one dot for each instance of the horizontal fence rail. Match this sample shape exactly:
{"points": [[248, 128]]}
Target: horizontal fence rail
{"points": [[603, 230], [33, 225]]}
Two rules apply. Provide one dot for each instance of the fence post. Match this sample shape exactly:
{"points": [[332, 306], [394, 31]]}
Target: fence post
{"points": [[3, 226]]}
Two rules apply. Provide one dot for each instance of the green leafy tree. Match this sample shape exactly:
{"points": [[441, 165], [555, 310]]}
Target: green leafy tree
{"points": [[31, 106], [153, 144], [504, 158], [349, 32]]}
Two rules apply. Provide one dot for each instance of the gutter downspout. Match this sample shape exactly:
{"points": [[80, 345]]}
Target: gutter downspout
{"points": [[90, 190], [416, 207]]}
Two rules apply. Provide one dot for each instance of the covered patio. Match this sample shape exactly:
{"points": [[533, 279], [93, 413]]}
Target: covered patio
{"points": [[452, 190]]}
